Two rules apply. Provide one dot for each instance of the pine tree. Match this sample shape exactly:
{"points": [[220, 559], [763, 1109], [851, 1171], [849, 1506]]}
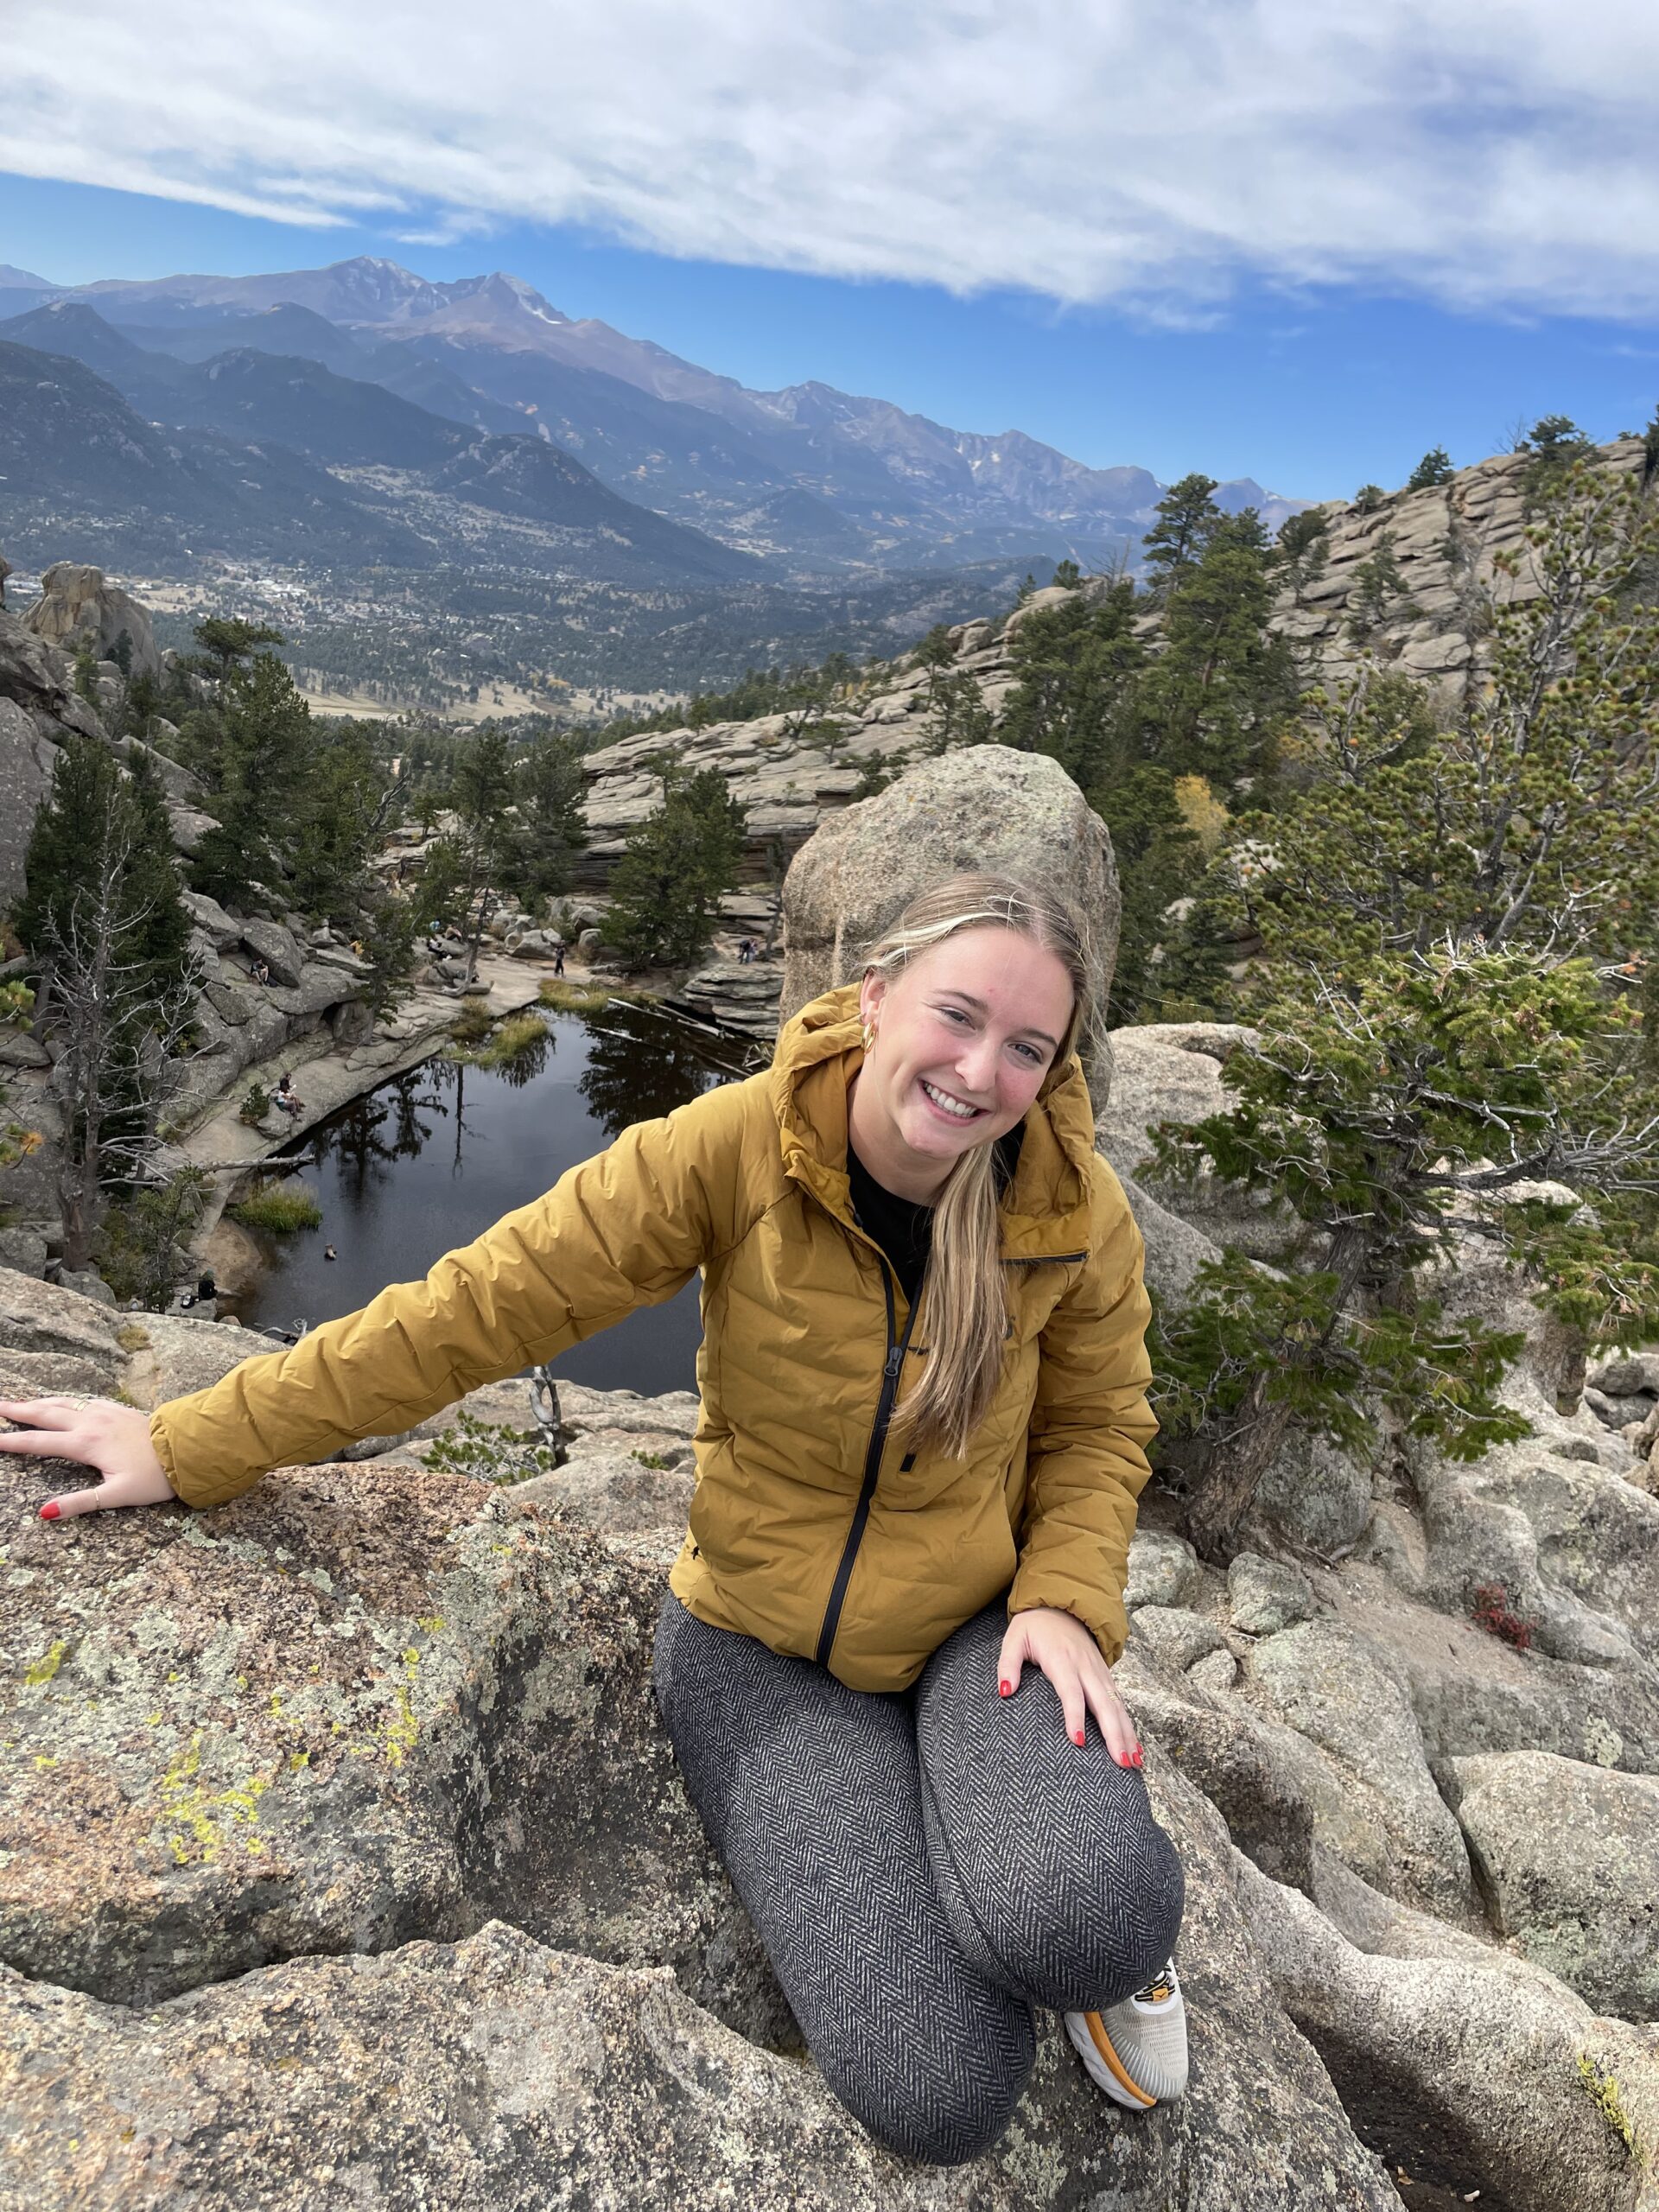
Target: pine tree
{"points": [[1304, 549], [101, 912], [1187, 518], [482, 794], [1377, 591], [665, 890], [548, 829], [1455, 925], [339, 817], [1213, 698], [255, 750], [1076, 665], [1434, 467]]}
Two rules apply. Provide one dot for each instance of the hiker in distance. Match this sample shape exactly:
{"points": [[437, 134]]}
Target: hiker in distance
{"points": [[921, 1441]]}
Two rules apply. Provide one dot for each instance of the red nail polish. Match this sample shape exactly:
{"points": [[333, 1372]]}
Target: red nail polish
{"points": [[1078, 1738], [1125, 1759], [1136, 1756], [50, 1510], [1005, 1689]]}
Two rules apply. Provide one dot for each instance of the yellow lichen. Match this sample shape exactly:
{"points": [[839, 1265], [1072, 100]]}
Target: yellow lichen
{"points": [[131, 1338], [43, 1669], [402, 1730], [1602, 2091], [202, 1823]]}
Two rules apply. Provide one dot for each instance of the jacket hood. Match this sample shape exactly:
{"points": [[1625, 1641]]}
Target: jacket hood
{"points": [[1044, 1210]]}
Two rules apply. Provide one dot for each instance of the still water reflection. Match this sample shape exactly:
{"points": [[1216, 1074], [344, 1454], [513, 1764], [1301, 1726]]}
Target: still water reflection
{"points": [[433, 1157]]}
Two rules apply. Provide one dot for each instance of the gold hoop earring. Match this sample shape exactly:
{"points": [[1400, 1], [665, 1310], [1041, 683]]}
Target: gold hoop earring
{"points": [[870, 1035]]}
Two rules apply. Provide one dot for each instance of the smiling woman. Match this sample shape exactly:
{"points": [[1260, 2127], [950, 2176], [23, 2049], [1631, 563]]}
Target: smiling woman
{"points": [[966, 1006], [877, 1549]]}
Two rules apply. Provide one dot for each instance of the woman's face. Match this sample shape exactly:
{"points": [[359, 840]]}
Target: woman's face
{"points": [[964, 1035]]}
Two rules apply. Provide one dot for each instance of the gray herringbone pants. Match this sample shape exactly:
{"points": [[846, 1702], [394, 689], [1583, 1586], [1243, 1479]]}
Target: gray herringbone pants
{"points": [[923, 1865]]}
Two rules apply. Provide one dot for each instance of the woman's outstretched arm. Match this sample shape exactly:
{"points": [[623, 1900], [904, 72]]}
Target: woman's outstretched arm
{"points": [[626, 1229]]}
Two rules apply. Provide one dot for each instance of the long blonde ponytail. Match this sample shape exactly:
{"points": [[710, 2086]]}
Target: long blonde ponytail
{"points": [[967, 1310]]}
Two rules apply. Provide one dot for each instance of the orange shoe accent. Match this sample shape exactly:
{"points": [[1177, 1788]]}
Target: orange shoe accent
{"points": [[1098, 2037]]}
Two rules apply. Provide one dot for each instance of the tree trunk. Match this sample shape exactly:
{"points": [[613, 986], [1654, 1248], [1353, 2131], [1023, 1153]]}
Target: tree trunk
{"points": [[1241, 1457], [1250, 1441]]}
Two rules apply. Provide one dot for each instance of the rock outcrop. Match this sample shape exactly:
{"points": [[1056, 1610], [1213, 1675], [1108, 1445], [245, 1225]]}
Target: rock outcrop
{"points": [[1446, 542], [377, 1744], [341, 1846], [990, 809], [77, 608], [1568, 1856], [315, 985], [794, 771]]}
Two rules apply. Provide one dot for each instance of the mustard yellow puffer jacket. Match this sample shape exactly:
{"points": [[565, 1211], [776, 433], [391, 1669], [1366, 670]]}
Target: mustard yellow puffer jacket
{"points": [[810, 1529]]}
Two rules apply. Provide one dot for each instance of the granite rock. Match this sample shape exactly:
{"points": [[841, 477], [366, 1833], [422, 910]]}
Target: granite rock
{"points": [[983, 809], [1265, 1595], [1567, 1858]]}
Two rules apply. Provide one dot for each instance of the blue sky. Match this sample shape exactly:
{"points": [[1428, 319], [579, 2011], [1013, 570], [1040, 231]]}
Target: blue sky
{"points": [[1265, 239]]}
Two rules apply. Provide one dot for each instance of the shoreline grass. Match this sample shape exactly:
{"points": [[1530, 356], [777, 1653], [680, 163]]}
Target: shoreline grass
{"points": [[518, 1034], [279, 1210]]}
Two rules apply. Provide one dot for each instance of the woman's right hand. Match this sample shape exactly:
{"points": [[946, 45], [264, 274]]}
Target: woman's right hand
{"points": [[99, 1433]]}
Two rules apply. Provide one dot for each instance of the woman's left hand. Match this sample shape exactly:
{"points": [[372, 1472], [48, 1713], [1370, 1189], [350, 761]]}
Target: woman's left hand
{"points": [[1070, 1658]]}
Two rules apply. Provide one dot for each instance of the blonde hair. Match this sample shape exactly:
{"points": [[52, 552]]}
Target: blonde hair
{"points": [[967, 1320]]}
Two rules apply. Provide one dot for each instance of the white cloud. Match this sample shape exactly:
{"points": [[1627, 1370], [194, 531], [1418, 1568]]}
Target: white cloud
{"points": [[1491, 153]]}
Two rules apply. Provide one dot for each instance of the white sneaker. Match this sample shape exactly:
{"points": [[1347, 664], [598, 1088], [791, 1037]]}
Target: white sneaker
{"points": [[1136, 2051]]}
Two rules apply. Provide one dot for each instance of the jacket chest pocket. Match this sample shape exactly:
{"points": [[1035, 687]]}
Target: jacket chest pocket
{"points": [[1034, 1288]]}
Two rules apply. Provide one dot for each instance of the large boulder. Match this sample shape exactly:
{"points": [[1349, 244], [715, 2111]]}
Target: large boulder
{"points": [[986, 808], [359, 1706], [1472, 1690], [495, 2071], [169, 1355], [1331, 1687], [274, 1776], [1567, 1858], [268, 941], [1563, 1550], [54, 1341], [1474, 2072], [77, 608]]}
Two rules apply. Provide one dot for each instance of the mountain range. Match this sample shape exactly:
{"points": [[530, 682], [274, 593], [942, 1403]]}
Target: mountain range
{"points": [[365, 367]]}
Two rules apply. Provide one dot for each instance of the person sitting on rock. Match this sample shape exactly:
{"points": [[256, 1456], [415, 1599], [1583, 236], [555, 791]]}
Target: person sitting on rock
{"points": [[286, 1099], [884, 1658], [261, 974]]}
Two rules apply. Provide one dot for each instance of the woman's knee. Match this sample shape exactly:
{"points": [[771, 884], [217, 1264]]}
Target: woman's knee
{"points": [[1104, 1919], [945, 2116], [1072, 1903]]}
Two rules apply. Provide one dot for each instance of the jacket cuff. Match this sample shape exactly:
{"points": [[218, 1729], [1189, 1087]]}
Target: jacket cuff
{"points": [[1104, 1618], [163, 1452]]}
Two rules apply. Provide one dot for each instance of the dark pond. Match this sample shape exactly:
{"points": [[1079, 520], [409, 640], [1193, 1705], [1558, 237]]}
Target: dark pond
{"points": [[433, 1157]]}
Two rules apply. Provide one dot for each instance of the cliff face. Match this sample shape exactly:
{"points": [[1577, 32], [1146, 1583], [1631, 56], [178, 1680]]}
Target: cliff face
{"points": [[791, 773], [1446, 542]]}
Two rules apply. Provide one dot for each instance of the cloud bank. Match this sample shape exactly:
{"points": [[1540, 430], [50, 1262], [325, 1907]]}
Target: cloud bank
{"points": [[1499, 154]]}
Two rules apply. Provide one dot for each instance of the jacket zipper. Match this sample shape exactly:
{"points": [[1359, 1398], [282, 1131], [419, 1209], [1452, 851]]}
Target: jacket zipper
{"points": [[891, 1370]]}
